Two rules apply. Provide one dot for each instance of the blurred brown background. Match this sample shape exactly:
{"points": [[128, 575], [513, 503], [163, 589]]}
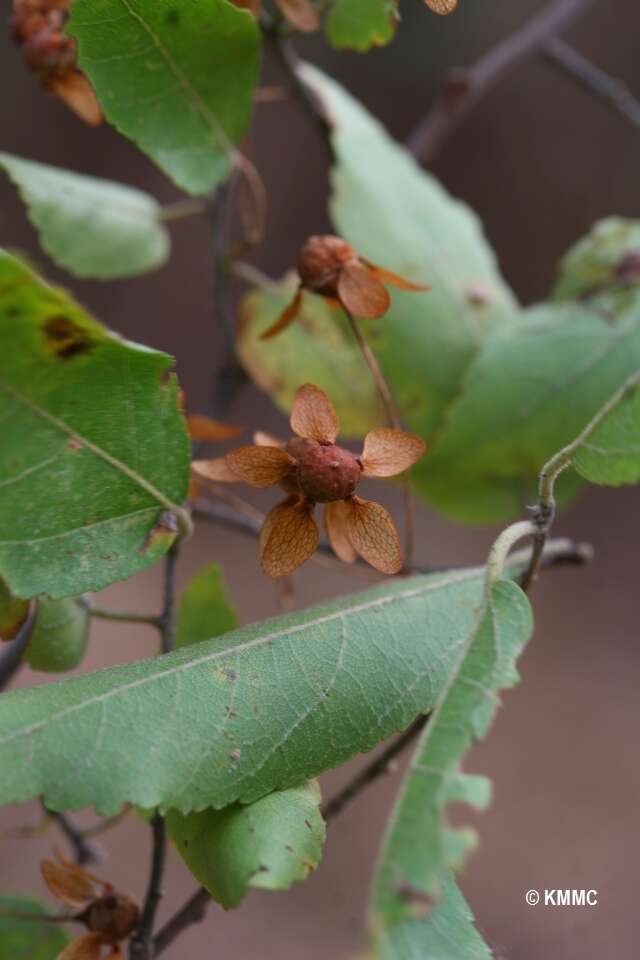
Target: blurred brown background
{"points": [[539, 160]]}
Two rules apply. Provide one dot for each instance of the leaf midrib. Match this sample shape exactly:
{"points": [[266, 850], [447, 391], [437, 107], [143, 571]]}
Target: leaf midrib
{"points": [[114, 462], [471, 574]]}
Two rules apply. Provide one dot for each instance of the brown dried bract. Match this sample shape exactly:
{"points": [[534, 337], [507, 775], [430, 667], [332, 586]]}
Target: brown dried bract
{"points": [[328, 266], [109, 916], [37, 26], [312, 469], [442, 7]]}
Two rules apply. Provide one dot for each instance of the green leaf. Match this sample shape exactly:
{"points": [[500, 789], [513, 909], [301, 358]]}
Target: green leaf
{"points": [[608, 449], [204, 610], [177, 78], [443, 933], [606, 261], [318, 348], [270, 844], [361, 24], [94, 449], [296, 695], [13, 612], [420, 849], [59, 637], [400, 217], [530, 392], [93, 228], [28, 939]]}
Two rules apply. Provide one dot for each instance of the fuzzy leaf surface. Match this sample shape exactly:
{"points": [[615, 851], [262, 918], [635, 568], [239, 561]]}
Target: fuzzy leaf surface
{"points": [[176, 78], [94, 450], [25, 939], [317, 348], [93, 228], [420, 849], [530, 392], [269, 845], [296, 695], [59, 637], [611, 454], [440, 933]]}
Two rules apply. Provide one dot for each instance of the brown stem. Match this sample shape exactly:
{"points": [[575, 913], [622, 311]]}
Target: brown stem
{"points": [[193, 911], [376, 372], [394, 420], [274, 33], [464, 88], [587, 75], [378, 767], [141, 946], [83, 851]]}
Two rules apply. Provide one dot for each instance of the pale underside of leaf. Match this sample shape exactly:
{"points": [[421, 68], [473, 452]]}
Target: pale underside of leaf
{"points": [[297, 695], [91, 227]]}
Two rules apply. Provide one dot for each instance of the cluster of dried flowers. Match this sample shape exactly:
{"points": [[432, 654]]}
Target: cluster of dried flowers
{"points": [[109, 916], [311, 468], [37, 26]]}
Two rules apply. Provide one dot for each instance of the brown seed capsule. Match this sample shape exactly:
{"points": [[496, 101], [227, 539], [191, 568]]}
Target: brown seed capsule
{"points": [[113, 915], [325, 472], [320, 261]]}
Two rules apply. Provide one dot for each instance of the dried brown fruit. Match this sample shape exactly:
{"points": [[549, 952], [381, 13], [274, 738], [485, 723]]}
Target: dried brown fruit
{"points": [[109, 916], [38, 28], [312, 469], [328, 266]]}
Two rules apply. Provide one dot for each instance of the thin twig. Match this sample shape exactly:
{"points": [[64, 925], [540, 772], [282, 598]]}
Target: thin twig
{"points": [[124, 616], [464, 88], [193, 911], [188, 207], [378, 767], [543, 513], [230, 376], [394, 421], [167, 619], [11, 659], [587, 75], [83, 851], [274, 31], [140, 945]]}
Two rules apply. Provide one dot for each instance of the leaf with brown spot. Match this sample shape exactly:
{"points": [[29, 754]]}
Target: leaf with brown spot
{"points": [[335, 522], [361, 291], [373, 534], [94, 448], [260, 466], [65, 338], [291, 537], [388, 452], [270, 844], [313, 416]]}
